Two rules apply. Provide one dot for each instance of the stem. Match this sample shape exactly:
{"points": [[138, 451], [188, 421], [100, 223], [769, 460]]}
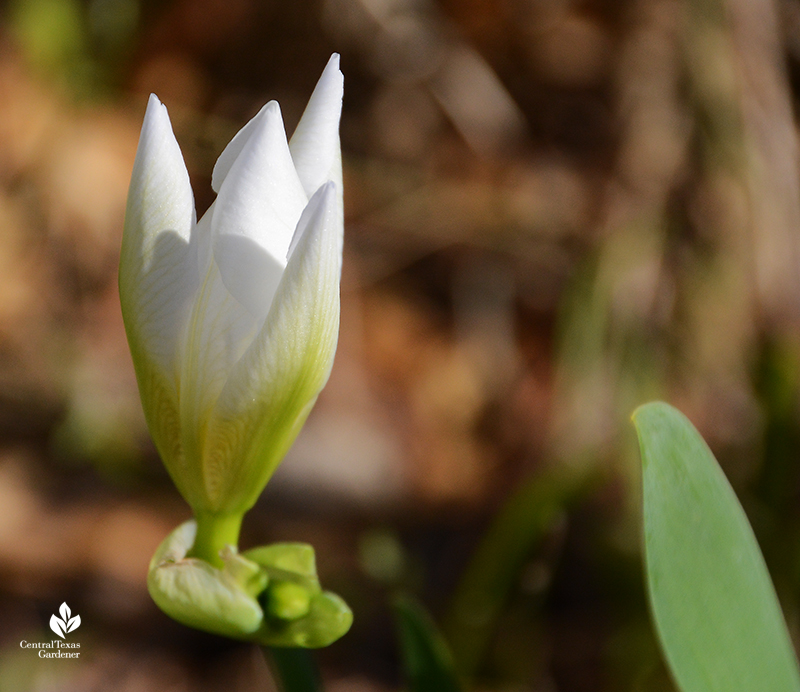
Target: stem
{"points": [[214, 532], [294, 670]]}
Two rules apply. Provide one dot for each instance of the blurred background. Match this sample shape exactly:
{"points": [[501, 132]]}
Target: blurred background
{"points": [[556, 211]]}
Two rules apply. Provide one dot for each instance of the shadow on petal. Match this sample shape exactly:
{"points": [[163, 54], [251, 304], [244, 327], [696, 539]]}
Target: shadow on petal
{"points": [[249, 272]]}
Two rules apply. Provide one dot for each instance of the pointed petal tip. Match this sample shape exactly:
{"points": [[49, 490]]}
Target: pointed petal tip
{"points": [[332, 72], [269, 114], [265, 135], [270, 117], [322, 201], [316, 214], [269, 110], [326, 193], [315, 142], [330, 84], [333, 62], [155, 117], [154, 107]]}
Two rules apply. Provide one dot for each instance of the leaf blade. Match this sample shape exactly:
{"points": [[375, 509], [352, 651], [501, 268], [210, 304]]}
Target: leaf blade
{"points": [[714, 606], [427, 663]]}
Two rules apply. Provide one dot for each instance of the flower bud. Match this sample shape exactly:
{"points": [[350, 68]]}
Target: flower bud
{"points": [[269, 595], [233, 320]]}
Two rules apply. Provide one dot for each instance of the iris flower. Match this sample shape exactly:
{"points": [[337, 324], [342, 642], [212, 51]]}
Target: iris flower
{"points": [[232, 323]]}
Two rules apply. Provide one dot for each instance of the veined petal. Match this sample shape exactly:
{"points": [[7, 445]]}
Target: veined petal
{"points": [[315, 142], [157, 274], [259, 204], [272, 388], [220, 330]]}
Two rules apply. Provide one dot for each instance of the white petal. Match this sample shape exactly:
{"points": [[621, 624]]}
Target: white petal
{"points": [[158, 276], [231, 152], [157, 272], [250, 272], [315, 142], [219, 332], [333, 197], [260, 202], [273, 387]]}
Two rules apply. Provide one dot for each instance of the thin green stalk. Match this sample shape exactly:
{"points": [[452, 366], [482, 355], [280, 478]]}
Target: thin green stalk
{"points": [[214, 532], [294, 670]]}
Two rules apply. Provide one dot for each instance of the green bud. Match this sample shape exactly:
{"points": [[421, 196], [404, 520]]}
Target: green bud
{"points": [[288, 601], [292, 568], [328, 618], [231, 600]]}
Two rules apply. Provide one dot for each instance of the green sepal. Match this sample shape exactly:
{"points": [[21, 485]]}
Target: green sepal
{"points": [[269, 595], [249, 576], [196, 594], [294, 588], [294, 562]]}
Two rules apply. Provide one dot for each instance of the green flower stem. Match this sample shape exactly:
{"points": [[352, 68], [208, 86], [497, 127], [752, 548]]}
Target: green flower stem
{"points": [[214, 532], [294, 670]]}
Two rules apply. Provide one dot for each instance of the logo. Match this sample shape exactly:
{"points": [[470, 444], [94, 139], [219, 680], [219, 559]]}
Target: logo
{"points": [[56, 648], [66, 623]]}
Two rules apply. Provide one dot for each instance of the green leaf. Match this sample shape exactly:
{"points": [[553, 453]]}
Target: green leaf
{"points": [[484, 589], [714, 605], [427, 662]]}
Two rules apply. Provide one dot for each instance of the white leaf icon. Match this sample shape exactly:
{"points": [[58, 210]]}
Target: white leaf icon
{"points": [[65, 623], [57, 625]]}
